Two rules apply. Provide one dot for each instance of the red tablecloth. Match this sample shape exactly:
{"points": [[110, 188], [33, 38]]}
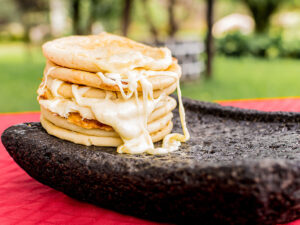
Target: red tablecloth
{"points": [[25, 201]]}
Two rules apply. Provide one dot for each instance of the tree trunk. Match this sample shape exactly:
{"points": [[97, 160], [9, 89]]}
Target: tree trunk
{"points": [[172, 23], [76, 16], [153, 29], [262, 12], [92, 16], [209, 39], [126, 16]]}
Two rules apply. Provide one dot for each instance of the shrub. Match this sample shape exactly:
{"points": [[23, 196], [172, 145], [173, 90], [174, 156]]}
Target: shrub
{"points": [[233, 44], [258, 45], [263, 45], [291, 49]]}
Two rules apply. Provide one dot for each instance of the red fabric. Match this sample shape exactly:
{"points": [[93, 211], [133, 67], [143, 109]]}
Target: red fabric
{"points": [[24, 201], [285, 104]]}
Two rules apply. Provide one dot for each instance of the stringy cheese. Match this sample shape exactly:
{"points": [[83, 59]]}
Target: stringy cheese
{"points": [[128, 117]]}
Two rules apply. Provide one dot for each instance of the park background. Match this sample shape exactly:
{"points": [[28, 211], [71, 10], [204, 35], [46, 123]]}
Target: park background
{"points": [[253, 46]]}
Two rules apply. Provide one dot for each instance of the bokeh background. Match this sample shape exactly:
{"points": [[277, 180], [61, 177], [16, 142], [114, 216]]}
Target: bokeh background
{"points": [[228, 49]]}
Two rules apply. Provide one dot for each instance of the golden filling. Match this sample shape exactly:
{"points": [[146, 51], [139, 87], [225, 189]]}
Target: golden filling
{"points": [[76, 119]]}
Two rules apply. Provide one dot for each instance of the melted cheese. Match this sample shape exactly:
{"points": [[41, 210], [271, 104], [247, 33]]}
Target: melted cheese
{"points": [[127, 115], [42, 87], [172, 141], [126, 64], [63, 107], [55, 86]]}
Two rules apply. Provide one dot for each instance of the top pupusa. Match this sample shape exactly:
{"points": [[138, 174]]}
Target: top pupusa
{"points": [[106, 53]]}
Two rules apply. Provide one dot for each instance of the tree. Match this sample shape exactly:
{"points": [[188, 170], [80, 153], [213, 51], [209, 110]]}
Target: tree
{"points": [[126, 16], [108, 12], [27, 9], [8, 12], [209, 37], [93, 14], [173, 23], [153, 29], [262, 10], [173, 27]]}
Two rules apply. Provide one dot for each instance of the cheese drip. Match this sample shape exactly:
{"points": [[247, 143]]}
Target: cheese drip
{"points": [[42, 87], [126, 116], [172, 141]]}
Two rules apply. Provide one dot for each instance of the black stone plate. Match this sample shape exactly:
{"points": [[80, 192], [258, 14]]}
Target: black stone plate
{"points": [[240, 167]]}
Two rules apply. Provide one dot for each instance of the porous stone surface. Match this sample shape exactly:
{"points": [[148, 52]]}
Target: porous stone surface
{"points": [[240, 167]]}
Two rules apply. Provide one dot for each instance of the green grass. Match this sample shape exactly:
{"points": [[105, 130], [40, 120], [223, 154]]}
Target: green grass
{"points": [[240, 78], [21, 72]]}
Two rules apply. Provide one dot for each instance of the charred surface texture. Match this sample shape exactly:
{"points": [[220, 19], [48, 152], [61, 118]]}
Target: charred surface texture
{"points": [[240, 167]]}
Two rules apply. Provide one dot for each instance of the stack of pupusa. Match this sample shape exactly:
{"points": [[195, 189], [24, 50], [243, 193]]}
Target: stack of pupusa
{"points": [[107, 90]]}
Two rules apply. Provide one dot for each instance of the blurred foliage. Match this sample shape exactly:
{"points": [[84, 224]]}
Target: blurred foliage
{"points": [[264, 45], [233, 44], [85, 13], [7, 13], [258, 45], [29, 5], [32, 13], [85, 16], [17, 17], [262, 10], [151, 18], [291, 49], [108, 12]]}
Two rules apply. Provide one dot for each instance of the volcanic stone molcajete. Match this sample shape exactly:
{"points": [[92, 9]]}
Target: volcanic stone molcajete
{"points": [[240, 167]]}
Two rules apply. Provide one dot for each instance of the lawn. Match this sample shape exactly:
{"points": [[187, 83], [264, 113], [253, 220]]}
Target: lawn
{"points": [[234, 78], [240, 78], [20, 73]]}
